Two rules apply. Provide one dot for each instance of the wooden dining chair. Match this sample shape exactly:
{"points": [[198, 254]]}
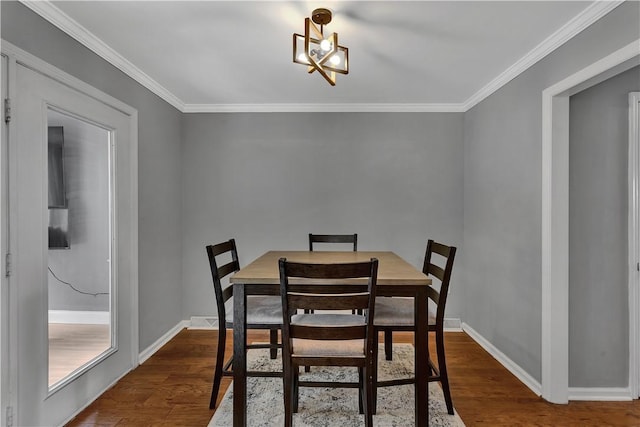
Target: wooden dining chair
{"points": [[333, 238], [396, 314], [327, 339], [263, 312]]}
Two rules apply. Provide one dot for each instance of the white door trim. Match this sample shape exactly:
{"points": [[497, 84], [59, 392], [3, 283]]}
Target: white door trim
{"points": [[634, 244], [19, 56], [9, 329], [555, 215]]}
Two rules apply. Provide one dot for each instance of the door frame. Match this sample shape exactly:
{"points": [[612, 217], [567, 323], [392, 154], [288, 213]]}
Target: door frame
{"points": [[555, 220], [634, 243], [17, 56], [5, 384]]}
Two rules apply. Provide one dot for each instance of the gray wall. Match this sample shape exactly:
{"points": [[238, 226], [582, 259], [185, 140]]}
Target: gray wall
{"points": [[269, 179], [598, 230], [160, 261], [85, 265], [502, 186]]}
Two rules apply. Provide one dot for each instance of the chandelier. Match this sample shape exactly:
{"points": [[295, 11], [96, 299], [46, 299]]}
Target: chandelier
{"points": [[320, 53]]}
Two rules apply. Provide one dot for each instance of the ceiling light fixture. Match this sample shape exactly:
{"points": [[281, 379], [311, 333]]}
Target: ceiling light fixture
{"points": [[320, 53]]}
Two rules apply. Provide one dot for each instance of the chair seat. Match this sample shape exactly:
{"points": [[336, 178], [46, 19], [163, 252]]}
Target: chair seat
{"points": [[320, 348], [398, 312], [260, 310]]}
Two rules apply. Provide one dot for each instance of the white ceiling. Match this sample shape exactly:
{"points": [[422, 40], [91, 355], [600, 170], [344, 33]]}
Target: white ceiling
{"points": [[404, 55]]}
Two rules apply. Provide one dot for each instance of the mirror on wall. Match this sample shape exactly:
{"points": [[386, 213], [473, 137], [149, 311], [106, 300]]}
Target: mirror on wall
{"points": [[79, 245]]}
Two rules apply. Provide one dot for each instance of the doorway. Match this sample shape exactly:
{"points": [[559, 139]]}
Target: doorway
{"points": [[73, 221], [555, 218]]}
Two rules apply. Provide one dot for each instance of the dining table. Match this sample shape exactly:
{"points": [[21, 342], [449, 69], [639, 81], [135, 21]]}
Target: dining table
{"points": [[396, 278]]}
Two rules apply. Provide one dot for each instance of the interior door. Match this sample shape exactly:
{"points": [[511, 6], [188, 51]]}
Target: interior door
{"points": [[39, 100]]}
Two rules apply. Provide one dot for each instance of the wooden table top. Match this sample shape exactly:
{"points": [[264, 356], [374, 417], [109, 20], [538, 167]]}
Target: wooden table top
{"points": [[392, 270]]}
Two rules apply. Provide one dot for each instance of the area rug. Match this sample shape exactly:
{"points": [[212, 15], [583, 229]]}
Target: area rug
{"points": [[326, 407]]}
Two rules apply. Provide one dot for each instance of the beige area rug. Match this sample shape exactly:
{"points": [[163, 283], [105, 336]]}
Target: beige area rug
{"points": [[326, 407]]}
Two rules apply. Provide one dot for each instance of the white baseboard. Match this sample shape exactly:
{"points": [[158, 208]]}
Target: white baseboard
{"points": [[79, 317], [600, 393], [149, 351], [511, 366]]}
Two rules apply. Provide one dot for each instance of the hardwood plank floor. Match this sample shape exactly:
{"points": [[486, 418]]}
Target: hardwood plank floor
{"points": [[172, 388]]}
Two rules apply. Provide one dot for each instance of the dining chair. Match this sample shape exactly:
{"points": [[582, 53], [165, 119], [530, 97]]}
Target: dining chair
{"points": [[263, 312], [327, 339], [396, 314], [333, 238]]}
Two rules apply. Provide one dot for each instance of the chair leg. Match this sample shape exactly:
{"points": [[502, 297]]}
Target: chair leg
{"points": [[217, 374], [388, 344], [296, 388], [369, 404], [361, 395], [287, 381], [374, 375], [273, 335], [442, 367]]}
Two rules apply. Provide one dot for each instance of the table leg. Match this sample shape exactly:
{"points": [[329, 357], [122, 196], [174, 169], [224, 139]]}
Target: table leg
{"points": [[239, 356], [422, 358]]}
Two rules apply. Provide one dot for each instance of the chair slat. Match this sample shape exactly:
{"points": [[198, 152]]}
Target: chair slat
{"points": [[227, 293], [328, 332], [329, 361], [337, 271], [333, 238], [223, 247], [433, 294], [329, 301], [227, 269], [436, 271], [441, 249]]}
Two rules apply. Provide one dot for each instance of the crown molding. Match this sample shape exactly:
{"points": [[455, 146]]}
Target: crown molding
{"points": [[323, 108], [67, 24], [588, 16]]}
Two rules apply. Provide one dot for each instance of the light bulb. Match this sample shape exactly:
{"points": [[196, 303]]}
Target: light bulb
{"points": [[325, 45], [303, 58], [335, 60]]}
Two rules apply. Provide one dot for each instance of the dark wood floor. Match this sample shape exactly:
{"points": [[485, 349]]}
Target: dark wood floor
{"points": [[172, 388]]}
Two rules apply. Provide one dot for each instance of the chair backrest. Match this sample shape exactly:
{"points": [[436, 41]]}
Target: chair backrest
{"points": [[310, 291], [442, 273], [333, 238], [219, 272]]}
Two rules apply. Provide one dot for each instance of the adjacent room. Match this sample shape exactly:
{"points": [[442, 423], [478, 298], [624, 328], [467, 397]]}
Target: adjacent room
{"points": [[340, 213]]}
